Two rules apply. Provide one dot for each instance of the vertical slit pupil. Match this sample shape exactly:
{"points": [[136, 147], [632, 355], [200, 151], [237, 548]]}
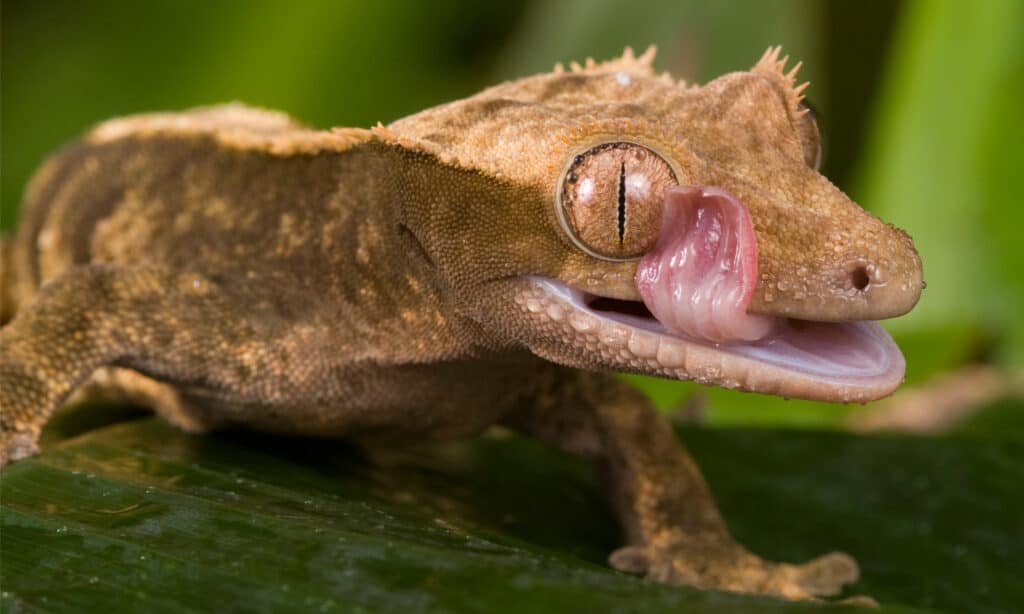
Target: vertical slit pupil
{"points": [[622, 202]]}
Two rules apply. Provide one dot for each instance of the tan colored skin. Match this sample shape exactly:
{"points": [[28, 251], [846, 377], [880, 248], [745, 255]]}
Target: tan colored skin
{"points": [[232, 268]]}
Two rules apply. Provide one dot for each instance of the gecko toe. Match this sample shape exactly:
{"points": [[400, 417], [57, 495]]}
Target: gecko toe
{"points": [[826, 575], [629, 559], [15, 446]]}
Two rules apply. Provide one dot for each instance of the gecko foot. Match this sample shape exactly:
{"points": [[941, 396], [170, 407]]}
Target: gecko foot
{"points": [[718, 563]]}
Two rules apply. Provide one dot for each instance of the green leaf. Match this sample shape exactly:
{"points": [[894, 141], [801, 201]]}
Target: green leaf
{"points": [[139, 516]]}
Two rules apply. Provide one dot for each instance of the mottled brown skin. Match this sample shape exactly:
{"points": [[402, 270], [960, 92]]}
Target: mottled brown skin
{"points": [[232, 268]]}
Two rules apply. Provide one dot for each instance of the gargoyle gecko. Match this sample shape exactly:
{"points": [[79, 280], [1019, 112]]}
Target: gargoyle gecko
{"points": [[487, 261]]}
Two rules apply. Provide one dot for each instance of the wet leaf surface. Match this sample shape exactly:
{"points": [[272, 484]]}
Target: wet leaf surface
{"points": [[139, 515]]}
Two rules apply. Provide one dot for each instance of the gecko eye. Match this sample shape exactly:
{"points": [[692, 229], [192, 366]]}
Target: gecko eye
{"points": [[610, 200], [810, 135]]}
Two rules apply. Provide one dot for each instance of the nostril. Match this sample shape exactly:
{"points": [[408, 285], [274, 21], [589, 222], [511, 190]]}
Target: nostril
{"points": [[859, 278]]}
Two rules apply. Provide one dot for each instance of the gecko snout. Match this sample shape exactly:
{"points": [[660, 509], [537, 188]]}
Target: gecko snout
{"points": [[890, 287], [867, 271], [884, 283]]}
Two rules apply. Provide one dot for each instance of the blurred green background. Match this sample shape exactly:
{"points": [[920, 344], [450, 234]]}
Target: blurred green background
{"points": [[920, 103]]}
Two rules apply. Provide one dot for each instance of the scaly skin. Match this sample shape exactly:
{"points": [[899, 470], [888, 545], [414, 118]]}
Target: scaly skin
{"points": [[232, 268]]}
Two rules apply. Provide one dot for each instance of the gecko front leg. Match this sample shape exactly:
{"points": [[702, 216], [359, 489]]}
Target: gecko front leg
{"points": [[173, 325], [673, 529]]}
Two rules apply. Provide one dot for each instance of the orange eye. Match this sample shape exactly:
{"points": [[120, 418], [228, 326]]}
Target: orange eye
{"points": [[610, 200]]}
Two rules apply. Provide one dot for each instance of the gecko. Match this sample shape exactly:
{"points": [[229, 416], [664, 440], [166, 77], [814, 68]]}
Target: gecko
{"points": [[493, 261]]}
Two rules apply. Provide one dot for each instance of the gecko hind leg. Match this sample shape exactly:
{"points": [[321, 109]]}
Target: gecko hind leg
{"points": [[673, 529]]}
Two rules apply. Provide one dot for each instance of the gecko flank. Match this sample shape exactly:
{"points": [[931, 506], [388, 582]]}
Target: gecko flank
{"points": [[488, 261]]}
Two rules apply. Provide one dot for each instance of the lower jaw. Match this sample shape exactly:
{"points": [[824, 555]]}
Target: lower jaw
{"points": [[844, 361]]}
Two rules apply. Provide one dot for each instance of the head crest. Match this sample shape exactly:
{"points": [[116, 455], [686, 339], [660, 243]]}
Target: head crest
{"points": [[628, 62], [771, 66]]}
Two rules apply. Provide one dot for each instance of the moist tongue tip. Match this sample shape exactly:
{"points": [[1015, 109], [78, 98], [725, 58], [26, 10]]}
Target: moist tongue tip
{"points": [[700, 277]]}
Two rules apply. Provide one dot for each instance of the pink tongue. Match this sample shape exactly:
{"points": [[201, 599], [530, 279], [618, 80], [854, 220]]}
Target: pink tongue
{"points": [[700, 276]]}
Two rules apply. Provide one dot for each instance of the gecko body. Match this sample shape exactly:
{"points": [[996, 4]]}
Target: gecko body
{"points": [[488, 261]]}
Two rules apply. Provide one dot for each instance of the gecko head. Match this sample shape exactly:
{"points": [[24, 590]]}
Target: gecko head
{"points": [[660, 228]]}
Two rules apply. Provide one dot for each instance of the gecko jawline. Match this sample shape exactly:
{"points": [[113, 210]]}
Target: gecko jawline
{"points": [[832, 361]]}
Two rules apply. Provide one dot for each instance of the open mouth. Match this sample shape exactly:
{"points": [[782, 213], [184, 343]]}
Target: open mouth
{"points": [[831, 361], [693, 322]]}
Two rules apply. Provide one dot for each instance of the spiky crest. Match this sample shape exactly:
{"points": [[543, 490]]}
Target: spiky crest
{"points": [[772, 66], [628, 62]]}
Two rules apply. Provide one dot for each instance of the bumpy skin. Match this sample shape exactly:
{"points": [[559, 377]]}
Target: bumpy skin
{"points": [[232, 268]]}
